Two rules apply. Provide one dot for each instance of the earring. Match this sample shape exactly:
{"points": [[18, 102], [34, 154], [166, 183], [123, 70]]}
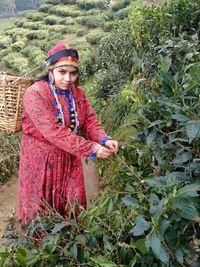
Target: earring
{"points": [[51, 77]]}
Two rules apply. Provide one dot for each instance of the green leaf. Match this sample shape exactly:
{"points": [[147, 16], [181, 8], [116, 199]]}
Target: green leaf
{"points": [[101, 261], [129, 188], [193, 130], [122, 253], [129, 201], [151, 137], [74, 250], [182, 157], [140, 244], [110, 206], [179, 256], [164, 224], [4, 255], [141, 226], [32, 260], [21, 260], [22, 251], [107, 245], [58, 227], [190, 190], [179, 117], [180, 176], [158, 249], [158, 122], [81, 239], [185, 208], [133, 261]]}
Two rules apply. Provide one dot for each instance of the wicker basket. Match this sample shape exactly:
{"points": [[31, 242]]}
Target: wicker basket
{"points": [[12, 89]]}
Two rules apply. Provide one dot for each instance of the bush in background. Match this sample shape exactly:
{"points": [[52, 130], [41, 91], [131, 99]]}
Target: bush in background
{"points": [[9, 156]]}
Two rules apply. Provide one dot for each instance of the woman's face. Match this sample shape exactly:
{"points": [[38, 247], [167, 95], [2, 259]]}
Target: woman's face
{"points": [[65, 77]]}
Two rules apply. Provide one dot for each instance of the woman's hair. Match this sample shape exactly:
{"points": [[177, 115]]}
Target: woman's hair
{"points": [[43, 77]]}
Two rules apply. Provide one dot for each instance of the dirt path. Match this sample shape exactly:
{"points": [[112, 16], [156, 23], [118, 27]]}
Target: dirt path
{"points": [[8, 194]]}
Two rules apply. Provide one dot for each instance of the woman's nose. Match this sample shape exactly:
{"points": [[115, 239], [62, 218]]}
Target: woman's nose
{"points": [[67, 77]]}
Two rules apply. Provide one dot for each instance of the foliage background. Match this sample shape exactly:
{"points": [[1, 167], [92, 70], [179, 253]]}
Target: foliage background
{"points": [[146, 78]]}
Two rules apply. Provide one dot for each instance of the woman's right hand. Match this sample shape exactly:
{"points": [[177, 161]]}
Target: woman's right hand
{"points": [[102, 152]]}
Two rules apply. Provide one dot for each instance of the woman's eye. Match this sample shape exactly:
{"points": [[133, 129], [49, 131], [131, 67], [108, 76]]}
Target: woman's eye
{"points": [[74, 73], [62, 71]]}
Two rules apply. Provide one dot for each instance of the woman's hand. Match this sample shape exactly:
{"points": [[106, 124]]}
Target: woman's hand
{"points": [[102, 152], [112, 145]]}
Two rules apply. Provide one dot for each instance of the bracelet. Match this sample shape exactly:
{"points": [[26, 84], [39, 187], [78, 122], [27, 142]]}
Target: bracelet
{"points": [[97, 147]]}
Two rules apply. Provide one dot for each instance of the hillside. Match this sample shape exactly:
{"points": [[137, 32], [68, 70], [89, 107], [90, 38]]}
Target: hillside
{"points": [[79, 23]]}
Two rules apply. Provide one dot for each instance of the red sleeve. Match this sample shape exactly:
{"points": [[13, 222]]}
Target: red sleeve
{"points": [[42, 116], [92, 127]]}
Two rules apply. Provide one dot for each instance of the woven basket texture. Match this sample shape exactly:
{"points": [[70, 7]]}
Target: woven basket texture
{"points": [[12, 89]]}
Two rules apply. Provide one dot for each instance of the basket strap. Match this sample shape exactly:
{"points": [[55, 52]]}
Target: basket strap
{"points": [[18, 106], [4, 97]]}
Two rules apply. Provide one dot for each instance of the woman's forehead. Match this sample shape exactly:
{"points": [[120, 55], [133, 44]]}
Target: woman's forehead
{"points": [[66, 68]]}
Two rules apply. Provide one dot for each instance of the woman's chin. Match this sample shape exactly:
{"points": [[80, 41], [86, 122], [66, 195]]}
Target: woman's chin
{"points": [[63, 87]]}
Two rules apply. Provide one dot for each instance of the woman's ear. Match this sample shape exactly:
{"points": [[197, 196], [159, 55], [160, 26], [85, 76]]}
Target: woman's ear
{"points": [[51, 77]]}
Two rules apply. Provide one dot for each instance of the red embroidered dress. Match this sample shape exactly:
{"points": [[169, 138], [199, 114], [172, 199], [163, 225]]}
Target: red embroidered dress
{"points": [[50, 154]]}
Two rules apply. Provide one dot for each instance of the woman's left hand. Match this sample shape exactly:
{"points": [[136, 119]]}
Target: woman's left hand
{"points": [[112, 145]]}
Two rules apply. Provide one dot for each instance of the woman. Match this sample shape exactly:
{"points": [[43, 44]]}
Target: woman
{"points": [[55, 111]]}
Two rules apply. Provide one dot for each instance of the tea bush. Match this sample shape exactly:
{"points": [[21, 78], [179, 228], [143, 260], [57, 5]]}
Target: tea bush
{"points": [[69, 11], [81, 32], [89, 4], [18, 46], [87, 59], [45, 8], [19, 23], [51, 20], [94, 38], [35, 16], [9, 155], [16, 62], [16, 34], [5, 41], [118, 5], [37, 34], [67, 21], [114, 64], [108, 26], [90, 22], [70, 2], [53, 2]]}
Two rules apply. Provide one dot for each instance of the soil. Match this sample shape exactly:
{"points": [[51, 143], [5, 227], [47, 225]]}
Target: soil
{"points": [[9, 192]]}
